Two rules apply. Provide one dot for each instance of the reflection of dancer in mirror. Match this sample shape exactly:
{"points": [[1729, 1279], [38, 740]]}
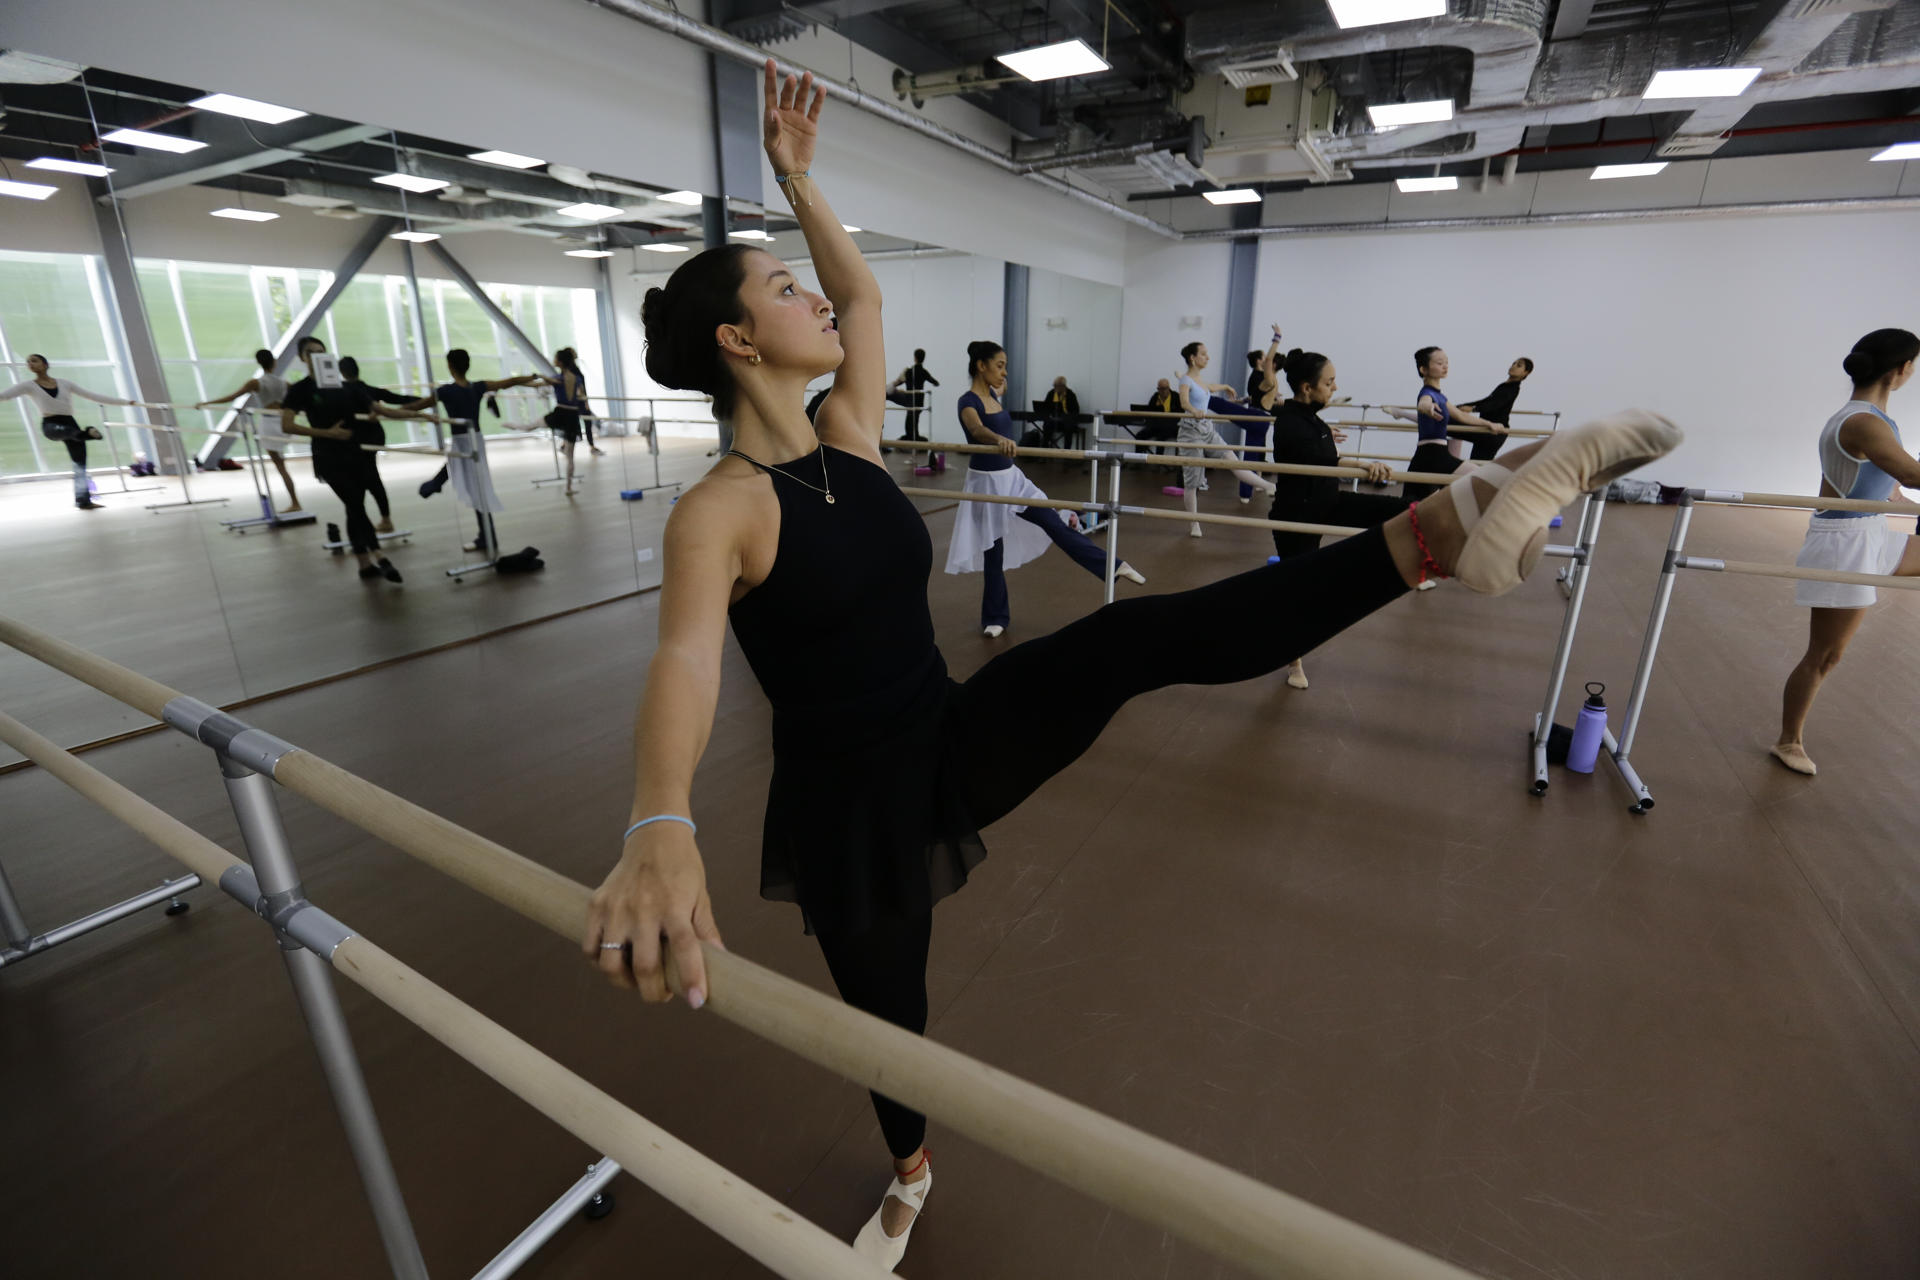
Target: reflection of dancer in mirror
{"points": [[910, 391], [376, 434], [269, 390], [54, 397], [570, 415], [1203, 406], [801, 538], [335, 427], [1437, 451], [461, 400], [992, 537], [1861, 456], [1495, 407]]}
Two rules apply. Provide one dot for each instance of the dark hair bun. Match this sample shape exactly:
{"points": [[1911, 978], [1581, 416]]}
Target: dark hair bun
{"points": [[680, 319], [1859, 366], [1878, 354], [1294, 354]]}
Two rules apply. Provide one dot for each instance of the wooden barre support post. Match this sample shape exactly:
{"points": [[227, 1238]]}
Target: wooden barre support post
{"points": [[1744, 498], [1227, 1213], [1755, 569], [719, 1199]]}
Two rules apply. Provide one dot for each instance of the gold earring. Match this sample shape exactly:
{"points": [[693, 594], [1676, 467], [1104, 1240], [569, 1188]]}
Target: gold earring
{"points": [[754, 358]]}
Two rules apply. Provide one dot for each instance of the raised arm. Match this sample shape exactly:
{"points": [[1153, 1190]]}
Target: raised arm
{"points": [[1865, 435], [75, 389], [855, 409], [250, 385], [658, 890]]}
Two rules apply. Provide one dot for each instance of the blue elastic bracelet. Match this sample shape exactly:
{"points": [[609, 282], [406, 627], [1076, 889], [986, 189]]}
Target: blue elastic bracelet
{"points": [[662, 817]]}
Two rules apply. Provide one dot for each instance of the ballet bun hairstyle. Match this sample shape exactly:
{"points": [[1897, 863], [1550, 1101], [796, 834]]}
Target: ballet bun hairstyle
{"points": [[979, 354], [1253, 359], [1421, 357], [680, 319], [1527, 361], [264, 358], [1878, 354], [1303, 368], [1187, 352]]}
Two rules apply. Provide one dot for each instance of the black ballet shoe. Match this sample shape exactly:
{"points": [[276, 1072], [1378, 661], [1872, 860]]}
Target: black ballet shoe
{"points": [[369, 572], [384, 567]]}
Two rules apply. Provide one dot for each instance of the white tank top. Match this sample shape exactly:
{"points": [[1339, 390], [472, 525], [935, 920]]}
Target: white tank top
{"points": [[1853, 477], [273, 390]]}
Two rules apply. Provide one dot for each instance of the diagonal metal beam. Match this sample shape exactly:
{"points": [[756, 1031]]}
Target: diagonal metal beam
{"points": [[237, 156], [492, 308]]}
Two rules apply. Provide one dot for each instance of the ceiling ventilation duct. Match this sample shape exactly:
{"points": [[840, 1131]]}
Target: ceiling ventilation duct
{"points": [[30, 68]]}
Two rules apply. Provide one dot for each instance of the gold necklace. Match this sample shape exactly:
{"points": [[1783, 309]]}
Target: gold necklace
{"points": [[828, 491]]}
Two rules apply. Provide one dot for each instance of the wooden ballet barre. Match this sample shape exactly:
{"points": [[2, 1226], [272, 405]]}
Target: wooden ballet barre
{"points": [[1156, 513], [1757, 570], [1435, 479], [1227, 1213], [1409, 408], [942, 446], [1131, 414], [711, 1194], [1011, 500], [1742, 498], [1518, 433]]}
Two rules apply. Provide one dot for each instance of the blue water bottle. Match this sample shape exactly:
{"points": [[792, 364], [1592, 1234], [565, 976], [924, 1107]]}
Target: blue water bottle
{"points": [[1592, 722]]}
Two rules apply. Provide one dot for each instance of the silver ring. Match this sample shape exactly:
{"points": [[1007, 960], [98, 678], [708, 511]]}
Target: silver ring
{"points": [[613, 946]]}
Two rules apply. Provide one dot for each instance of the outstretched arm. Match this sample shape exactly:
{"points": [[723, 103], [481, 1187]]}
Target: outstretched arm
{"points": [[855, 409], [250, 385]]}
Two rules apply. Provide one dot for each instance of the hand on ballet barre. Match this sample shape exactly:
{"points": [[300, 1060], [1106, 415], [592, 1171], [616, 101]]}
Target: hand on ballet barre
{"points": [[656, 893], [1377, 472], [1339, 436]]}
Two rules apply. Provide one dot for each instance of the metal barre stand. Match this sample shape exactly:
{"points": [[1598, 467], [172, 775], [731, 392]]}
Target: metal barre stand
{"points": [[1573, 583], [21, 941], [257, 462]]}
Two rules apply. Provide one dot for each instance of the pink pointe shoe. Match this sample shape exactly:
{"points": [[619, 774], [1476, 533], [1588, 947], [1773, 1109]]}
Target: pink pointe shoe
{"points": [[873, 1242]]}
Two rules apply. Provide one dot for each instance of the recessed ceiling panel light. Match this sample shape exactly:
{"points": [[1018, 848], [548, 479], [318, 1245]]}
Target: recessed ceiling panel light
{"points": [[153, 141], [228, 104], [1053, 61], [1392, 115], [1371, 13], [70, 166], [1628, 170], [1901, 151], [666, 248], [245, 215], [507, 159], [749, 235], [1237, 195], [592, 212], [415, 237], [408, 182], [1703, 82], [26, 190], [683, 197], [589, 253], [1427, 184]]}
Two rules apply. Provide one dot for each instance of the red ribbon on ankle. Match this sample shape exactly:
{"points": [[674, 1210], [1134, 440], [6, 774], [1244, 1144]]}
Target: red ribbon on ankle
{"points": [[924, 1153], [1427, 563]]}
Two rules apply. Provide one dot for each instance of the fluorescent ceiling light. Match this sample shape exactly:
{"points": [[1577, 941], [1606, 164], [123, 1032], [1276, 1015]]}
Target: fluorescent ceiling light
{"points": [[1704, 82], [683, 197], [1628, 170], [153, 141], [749, 235], [245, 215], [1394, 114], [228, 104], [849, 230], [1053, 61], [407, 182], [1371, 13], [592, 212], [1237, 195], [27, 190], [666, 248], [589, 253], [509, 159], [1901, 151], [70, 166], [415, 237], [1427, 184]]}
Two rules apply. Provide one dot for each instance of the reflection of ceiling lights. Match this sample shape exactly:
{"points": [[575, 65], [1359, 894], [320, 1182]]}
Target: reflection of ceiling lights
{"points": [[591, 212], [1371, 13], [153, 141], [228, 104], [70, 166], [749, 235], [1394, 114], [415, 237], [27, 190], [1628, 170], [850, 230], [1238, 195], [408, 182], [1053, 61], [666, 248], [506, 159], [245, 215], [1703, 82], [683, 197], [1411, 185], [1901, 151], [589, 253]]}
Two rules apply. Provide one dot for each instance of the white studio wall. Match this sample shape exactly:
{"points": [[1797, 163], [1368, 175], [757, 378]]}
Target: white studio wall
{"points": [[1171, 288], [1734, 327], [1073, 329]]}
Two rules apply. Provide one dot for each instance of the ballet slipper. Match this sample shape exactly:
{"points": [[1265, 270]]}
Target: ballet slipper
{"points": [[1296, 677], [873, 1242], [1193, 531], [1794, 756], [1131, 574], [1505, 541], [993, 631]]}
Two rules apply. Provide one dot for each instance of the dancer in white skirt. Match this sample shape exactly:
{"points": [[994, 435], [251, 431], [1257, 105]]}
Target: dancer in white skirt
{"points": [[268, 390], [1197, 429], [992, 537], [1860, 457]]}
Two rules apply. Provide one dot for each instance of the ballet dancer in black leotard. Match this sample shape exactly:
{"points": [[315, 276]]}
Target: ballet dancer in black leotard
{"points": [[801, 539]]}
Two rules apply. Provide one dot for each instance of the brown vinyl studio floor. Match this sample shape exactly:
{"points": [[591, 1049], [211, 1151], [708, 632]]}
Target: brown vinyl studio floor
{"points": [[1324, 937]]}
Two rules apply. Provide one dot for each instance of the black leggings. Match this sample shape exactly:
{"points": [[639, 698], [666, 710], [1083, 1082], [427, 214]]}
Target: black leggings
{"points": [[1354, 510], [378, 489], [1036, 709], [1429, 457], [351, 489]]}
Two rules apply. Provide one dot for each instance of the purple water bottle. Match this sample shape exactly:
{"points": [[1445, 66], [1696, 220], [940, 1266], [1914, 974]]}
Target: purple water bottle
{"points": [[1592, 722]]}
